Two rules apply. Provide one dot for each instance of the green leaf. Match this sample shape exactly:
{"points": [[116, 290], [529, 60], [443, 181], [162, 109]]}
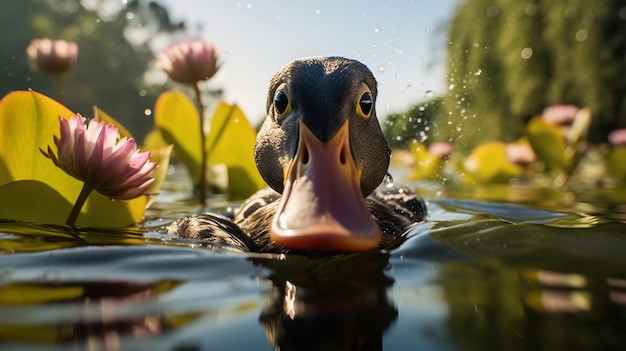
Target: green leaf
{"points": [[231, 142], [427, 165], [161, 157], [33, 201], [177, 118], [547, 143], [100, 211], [154, 140], [28, 122], [37, 202], [488, 163], [616, 162]]}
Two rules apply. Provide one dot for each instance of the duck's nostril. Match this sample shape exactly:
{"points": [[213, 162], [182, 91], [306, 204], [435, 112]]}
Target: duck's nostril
{"points": [[305, 155], [342, 156]]}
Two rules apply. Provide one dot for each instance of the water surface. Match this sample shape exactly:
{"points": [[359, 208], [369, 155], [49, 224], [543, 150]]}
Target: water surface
{"points": [[476, 275]]}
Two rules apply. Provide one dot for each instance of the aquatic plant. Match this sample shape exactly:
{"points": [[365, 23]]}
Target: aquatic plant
{"points": [[95, 155], [191, 62], [34, 189], [230, 136], [54, 57]]}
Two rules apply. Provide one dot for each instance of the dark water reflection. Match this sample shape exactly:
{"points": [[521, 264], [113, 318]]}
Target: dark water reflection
{"points": [[475, 276]]}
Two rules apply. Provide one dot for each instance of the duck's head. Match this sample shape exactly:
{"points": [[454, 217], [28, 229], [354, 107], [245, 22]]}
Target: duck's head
{"points": [[322, 147]]}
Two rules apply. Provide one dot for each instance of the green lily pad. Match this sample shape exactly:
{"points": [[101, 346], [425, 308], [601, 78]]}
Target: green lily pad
{"points": [[28, 122], [177, 119], [427, 165], [37, 202], [616, 162], [548, 143], [488, 163], [231, 142]]}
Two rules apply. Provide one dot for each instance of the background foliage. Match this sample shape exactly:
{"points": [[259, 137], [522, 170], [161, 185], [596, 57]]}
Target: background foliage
{"points": [[116, 53], [508, 59]]}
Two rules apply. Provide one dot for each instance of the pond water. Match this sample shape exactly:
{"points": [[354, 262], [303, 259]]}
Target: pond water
{"points": [[477, 275]]}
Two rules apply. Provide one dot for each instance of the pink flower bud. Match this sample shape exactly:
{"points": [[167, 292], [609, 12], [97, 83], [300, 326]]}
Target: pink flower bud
{"points": [[51, 56], [441, 149], [560, 114], [618, 137], [189, 62], [520, 153]]}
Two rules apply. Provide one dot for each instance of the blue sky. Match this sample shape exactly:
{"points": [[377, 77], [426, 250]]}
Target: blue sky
{"points": [[401, 41]]}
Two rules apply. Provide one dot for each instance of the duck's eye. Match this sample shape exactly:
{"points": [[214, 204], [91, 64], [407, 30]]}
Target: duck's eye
{"points": [[281, 103], [365, 105]]}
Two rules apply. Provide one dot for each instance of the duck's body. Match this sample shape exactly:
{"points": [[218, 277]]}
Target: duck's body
{"points": [[322, 148]]}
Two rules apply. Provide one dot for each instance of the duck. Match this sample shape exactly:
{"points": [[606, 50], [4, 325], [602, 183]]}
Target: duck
{"points": [[323, 154]]}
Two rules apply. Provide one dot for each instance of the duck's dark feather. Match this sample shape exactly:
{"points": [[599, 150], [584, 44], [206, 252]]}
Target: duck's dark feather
{"points": [[395, 209]]}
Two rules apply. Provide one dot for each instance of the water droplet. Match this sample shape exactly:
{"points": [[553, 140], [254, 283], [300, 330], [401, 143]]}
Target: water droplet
{"points": [[376, 30], [381, 68], [451, 86], [429, 93], [478, 72], [526, 53], [147, 112], [388, 181], [317, 12]]}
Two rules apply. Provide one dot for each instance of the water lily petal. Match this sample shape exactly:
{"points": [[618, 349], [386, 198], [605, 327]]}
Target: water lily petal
{"points": [[93, 154]]}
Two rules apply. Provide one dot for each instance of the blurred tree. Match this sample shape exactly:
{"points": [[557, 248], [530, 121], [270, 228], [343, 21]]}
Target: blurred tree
{"points": [[115, 53], [415, 124], [508, 59]]}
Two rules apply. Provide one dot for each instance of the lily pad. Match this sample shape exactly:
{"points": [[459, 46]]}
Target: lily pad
{"points": [[37, 202], [548, 143], [427, 165], [231, 142], [28, 122], [616, 162], [177, 118], [488, 163]]}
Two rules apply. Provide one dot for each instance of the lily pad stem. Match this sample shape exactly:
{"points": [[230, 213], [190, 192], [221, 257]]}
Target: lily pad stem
{"points": [[82, 197], [60, 88], [203, 161]]}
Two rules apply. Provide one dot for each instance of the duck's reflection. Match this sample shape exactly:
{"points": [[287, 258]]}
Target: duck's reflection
{"points": [[334, 304]]}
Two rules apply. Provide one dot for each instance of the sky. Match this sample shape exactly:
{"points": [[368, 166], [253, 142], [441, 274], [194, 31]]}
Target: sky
{"points": [[402, 42]]}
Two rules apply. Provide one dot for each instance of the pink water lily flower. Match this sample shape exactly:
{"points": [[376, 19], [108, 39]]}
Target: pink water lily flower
{"points": [[560, 114], [189, 62], [96, 155], [51, 56]]}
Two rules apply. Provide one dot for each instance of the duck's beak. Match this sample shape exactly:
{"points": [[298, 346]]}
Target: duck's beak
{"points": [[322, 207]]}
